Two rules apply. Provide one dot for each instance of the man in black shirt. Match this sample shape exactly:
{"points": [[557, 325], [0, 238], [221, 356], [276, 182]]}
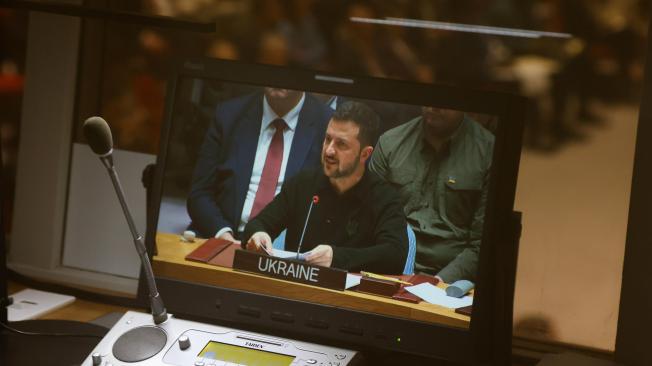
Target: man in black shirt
{"points": [[358, 221]]}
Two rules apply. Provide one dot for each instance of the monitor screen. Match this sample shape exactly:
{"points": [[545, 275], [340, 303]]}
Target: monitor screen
{"points": [[405, 188]]}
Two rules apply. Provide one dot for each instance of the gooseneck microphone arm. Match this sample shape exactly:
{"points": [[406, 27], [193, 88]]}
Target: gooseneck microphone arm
{"points": [[158, 309], [313, 201], [99, 138]]}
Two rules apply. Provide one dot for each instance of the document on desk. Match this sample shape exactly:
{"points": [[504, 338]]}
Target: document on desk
{"points": [[437, 296], [285, 254], [352, 280]]}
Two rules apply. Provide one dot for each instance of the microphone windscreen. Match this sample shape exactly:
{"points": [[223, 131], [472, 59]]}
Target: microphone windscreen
{"points": [[98, 135]]}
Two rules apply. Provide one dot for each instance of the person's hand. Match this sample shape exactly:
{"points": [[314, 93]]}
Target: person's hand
{"points": [[260, 242], [229, 236], [321, 255], [440, 279]]}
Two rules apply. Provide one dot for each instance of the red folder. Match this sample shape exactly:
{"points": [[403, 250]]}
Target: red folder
{"points": [[225, 257], [207, 251], [466, 310], [404, 295]]}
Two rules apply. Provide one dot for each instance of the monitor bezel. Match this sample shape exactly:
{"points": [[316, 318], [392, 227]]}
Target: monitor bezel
{"points": [[488, 338]]}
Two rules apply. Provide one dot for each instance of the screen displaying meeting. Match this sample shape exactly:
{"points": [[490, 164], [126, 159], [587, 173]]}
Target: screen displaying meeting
{"points": [[371, 187]]}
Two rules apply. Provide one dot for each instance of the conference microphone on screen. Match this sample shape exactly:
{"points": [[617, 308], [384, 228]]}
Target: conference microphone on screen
{"points": [[98, 134], [314, 201]]}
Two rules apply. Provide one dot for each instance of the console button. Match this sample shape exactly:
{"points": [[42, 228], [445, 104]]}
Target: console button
{"points": [[97, 359], [249, 311], [340, 356], [316, 323], [311, 361], [282, 317], [184, 342], [351, 329]]}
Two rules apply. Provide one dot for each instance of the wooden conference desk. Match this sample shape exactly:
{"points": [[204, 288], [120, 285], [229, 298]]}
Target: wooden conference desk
{"points": [[170, 262]]}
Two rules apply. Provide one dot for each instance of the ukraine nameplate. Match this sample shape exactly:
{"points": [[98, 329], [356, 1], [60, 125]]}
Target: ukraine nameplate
{"points": [[289, 270]]}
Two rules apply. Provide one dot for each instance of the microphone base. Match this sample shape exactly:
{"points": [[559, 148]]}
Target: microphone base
{"points": [[158, 309], [160, 318]]}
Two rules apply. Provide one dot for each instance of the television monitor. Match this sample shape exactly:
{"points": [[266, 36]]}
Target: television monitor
{"points": [[204, 91]]}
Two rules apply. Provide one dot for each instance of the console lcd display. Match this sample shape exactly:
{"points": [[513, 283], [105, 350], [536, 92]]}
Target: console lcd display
{"points": [[243, 356]]}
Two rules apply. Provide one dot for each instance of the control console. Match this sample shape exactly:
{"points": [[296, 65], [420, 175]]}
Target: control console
{"points": [[136, 340]]}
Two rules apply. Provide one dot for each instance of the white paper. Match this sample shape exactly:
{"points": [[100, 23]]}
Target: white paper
{"points": [[30, 304], [352, 280], [437, 296], [280, 253]]}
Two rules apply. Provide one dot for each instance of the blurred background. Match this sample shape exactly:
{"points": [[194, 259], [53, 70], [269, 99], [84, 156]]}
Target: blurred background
{"points": [[583, 81]]}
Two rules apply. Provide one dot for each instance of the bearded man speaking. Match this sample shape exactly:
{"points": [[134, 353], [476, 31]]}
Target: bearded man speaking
{"points": [[357, 222]]}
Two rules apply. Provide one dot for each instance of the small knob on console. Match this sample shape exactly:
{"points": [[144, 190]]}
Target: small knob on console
{"points": [[97, 359], [184, 342]]}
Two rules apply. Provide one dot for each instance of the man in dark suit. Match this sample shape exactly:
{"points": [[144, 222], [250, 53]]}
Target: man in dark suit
{"points": [[255, 143], [358, 222]]}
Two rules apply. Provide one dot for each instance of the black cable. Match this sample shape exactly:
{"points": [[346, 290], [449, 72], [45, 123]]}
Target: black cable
{"points": [[22, 332]]}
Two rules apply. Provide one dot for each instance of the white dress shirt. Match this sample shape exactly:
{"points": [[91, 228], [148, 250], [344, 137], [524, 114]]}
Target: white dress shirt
{"points": [[267, 131]]}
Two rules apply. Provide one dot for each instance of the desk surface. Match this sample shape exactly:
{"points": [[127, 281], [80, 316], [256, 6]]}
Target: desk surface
{"points": [[170, 262]]}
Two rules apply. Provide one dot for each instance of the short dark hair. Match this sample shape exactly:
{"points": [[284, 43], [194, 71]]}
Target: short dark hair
{"points": [[363, 116]]}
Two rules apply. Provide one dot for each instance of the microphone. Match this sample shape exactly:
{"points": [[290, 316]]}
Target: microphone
{"points": [[98, 134], [314, 201]]}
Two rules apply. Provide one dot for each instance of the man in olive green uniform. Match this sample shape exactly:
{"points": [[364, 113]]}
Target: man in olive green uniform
{"points": [[440, 163]]}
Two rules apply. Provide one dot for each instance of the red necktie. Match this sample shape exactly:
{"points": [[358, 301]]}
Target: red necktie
{"points": [[271, 170]]}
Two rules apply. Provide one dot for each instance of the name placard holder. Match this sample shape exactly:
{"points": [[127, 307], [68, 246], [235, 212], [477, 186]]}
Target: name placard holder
{"points": [[289, 270]]}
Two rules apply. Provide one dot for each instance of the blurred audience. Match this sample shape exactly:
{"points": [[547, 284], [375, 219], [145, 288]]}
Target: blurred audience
{"points": [[13, 37], [566, 79]]}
